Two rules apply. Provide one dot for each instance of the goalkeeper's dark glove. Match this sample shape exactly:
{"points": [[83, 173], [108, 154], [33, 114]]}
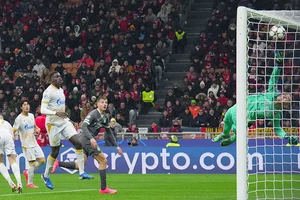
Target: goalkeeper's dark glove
{"points": [[293, 140]]}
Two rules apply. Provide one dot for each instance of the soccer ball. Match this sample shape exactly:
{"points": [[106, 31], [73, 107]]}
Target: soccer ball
{"points": [[277, 33]]}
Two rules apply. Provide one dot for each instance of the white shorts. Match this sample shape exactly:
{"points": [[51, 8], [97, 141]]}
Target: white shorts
{"points": [[55, 133], [32, 153], [7, 144]]}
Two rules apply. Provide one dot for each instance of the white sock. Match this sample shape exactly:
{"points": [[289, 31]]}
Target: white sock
{"points": [[30, 174], [37, 165], [16, 170], [80, 160], [49, 165], [5, 174]]}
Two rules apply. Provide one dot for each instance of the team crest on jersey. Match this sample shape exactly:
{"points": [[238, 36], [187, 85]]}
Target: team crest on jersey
{"points": [[27, 127], [60, 102]]}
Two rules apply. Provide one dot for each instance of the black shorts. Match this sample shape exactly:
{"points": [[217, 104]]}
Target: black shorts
{"points": [[87, 147]]}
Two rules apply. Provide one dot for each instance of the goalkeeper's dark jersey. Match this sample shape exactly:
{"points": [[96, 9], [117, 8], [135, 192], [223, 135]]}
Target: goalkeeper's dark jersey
{"points": [[92, 124]]}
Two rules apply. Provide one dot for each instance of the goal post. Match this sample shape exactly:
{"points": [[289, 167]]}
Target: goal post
{"points": [[290, 20]]}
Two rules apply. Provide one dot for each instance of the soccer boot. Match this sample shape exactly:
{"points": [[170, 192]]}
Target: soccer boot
{"points": [[13, 188], [47, 182], [220, 137], [25, 173], [19, 189], [55, 166], [84, 175], [31, 185], [229, 141], [108, 191]]}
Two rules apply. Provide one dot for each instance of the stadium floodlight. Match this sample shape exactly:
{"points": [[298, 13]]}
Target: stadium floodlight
{"points": [[275, 172]]}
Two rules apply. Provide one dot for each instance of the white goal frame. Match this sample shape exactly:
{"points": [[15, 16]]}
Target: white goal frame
{"points": [[241, 60]]}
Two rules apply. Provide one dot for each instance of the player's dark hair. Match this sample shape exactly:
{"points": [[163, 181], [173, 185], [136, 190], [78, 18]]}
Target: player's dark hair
{"points": [[52, 74], [101, 97], [23, 101]]}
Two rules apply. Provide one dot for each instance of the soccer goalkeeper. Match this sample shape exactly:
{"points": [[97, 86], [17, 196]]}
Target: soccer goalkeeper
{"points": [[267, 105]]}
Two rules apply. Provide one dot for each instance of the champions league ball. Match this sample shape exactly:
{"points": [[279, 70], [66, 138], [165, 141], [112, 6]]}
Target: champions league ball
{"points": [[277, 33]]}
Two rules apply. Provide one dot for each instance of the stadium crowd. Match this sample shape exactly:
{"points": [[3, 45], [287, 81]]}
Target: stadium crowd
{"points": [[121, 48]]}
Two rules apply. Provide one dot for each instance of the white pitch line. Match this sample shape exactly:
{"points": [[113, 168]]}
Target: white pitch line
{"points": [[53, 192]]}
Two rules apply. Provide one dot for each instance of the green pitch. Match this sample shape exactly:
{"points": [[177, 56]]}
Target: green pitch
{"points": [[148, 187]]}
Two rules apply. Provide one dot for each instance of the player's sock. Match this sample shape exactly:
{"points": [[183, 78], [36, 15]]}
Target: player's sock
{"points": [[16, 170], [5, 174], [30, 174], [49, 165], [80, 160], [69, 165], [102, 173], [37, 165]]}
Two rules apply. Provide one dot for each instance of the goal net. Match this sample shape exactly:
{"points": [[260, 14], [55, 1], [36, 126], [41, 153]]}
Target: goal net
{"points": [[267, 166]]}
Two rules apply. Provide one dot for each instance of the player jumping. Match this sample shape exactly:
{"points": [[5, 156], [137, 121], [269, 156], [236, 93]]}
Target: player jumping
{"points": [[57, 125], [25, 125], [267, 105], [7, 146], [95, 120]]}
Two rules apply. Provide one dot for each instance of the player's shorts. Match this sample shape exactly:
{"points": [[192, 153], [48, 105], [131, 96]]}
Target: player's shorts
{"points": [[7, 144], [87, 147], [32, 153], [55, 133]]}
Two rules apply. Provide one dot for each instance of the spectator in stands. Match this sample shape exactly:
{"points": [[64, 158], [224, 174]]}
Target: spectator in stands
{"points": [[116, 127], [75, 114], [175, 127], [154, 128], [120, 119], [194, 109], [132, 129], [87, 59], [165, 121], [115, 65], [130, 104], [201, 120], [213, 119], [39, 67], [177, 108], [186, 118], [214, 88], [170, 97], [59, 68]]}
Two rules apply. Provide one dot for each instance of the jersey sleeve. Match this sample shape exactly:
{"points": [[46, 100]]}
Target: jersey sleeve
{"points": [[45, 101], [86, 122], [277, 128], [16, 124], [272, 87]]}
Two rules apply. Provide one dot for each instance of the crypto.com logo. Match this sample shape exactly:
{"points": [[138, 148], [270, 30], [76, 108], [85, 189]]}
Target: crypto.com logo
{"points": [[68, 156]]}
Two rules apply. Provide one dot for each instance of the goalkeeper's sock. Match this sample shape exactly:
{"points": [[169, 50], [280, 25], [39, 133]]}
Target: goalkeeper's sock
{"points": [[69, 165], [16, 170], [80, 160], [30, 174], [102, 173], [49, 165], [5, 174]]}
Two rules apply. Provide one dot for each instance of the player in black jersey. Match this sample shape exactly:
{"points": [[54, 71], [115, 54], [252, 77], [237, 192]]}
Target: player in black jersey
{"points": [[91, 125]]}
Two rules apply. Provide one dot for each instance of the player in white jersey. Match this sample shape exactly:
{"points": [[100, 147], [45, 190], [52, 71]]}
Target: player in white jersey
{"points": [[7, 146], [58, 125], [25, 125]]}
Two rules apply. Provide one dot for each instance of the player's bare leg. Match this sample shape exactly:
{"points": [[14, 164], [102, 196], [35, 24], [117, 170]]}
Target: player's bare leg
{"points": [[80, 157], [49, 164], [102, 171], [5, 174], [16, 171]]}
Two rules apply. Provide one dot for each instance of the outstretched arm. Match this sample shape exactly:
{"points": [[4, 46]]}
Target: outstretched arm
{"points": [[275, 73]]}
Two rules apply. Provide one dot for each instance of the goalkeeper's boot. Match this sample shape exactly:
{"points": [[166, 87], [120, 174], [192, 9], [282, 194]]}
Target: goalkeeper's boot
{"points": [[55, 166], [229, 141], [293, 140], [220, 137], [84, 175], [47, 182], [108, 191]]}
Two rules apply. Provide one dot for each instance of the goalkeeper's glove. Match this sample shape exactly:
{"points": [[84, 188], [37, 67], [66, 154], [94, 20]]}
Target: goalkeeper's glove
{"points": [[293, 140], [279, 56]]}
